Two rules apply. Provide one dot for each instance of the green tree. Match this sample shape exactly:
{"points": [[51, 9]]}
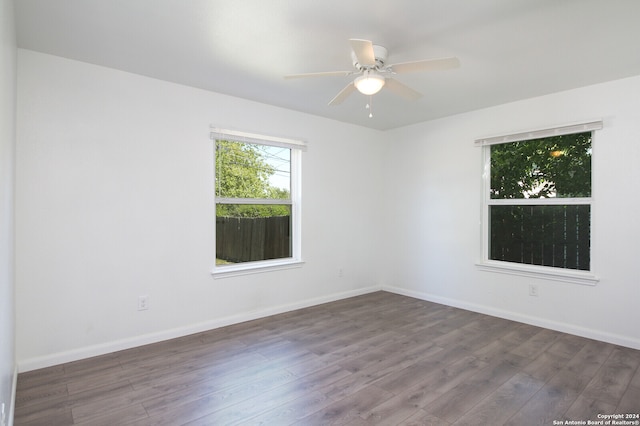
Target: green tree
{"points": [[558, 166], [243, 172]]}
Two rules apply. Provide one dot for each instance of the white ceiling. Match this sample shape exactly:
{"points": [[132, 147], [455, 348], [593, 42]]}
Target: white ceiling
{"points": [[508, 49]]}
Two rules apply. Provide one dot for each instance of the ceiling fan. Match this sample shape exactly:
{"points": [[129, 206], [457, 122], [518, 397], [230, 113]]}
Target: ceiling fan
{"points": [[373, 73]]}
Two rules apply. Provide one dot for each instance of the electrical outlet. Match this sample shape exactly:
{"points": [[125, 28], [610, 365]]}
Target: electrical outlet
{"points": [[533, 290], [143, 303], [340, 273]]}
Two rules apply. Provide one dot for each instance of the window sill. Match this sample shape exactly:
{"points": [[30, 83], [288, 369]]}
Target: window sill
{"points": [[255, 267], [541, 272]]}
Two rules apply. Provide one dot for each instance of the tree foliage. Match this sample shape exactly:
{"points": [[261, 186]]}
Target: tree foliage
{"points": [[243, 172], [558, 166]]}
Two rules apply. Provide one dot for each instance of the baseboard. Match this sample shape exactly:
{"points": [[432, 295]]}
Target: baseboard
{"points": [[114, 346], [12, 404], [615, 339]]}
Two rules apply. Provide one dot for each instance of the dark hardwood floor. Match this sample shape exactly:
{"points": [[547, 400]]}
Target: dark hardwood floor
{"points": [[380, 358]]}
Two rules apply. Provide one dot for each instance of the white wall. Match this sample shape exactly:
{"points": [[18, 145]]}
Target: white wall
{"points": [[434, 181], [7, 153], [114, 199]]}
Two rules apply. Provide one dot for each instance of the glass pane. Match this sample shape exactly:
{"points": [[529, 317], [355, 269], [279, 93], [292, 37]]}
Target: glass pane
{"points": [[557, 236], [558, 166], [252, 232], [245, 170]]}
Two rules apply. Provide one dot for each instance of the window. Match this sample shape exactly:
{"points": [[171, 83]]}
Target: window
{"points": [[257, 197], [537, 203]]}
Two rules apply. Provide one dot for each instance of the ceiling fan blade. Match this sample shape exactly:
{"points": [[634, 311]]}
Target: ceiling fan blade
{"points": [[363, 49], [400, 89], [344, 94], [426, 65], [319, 74]]}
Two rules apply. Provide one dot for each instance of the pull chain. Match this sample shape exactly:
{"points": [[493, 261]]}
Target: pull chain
{"points": [[369, 106]]}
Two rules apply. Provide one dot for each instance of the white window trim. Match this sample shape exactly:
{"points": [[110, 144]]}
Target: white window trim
{"points": [[539, 272], [568, 129], [249, 268], [296, 146], [532, 271], [217, 133]]}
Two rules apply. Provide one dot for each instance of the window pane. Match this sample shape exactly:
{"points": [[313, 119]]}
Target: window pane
{"points": [[550, 235], [245, 170], [558, 166], [250, 232]]}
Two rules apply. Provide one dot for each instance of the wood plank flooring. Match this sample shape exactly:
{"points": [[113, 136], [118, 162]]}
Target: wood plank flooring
{"points": [[380, 358]]}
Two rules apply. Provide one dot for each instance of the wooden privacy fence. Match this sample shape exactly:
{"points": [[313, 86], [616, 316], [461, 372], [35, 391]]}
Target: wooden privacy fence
{"points": [[246, 239], [547, 235]]}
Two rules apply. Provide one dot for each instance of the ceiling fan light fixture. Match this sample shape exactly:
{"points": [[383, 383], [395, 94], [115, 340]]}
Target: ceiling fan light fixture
{"points": [[369, 83]]}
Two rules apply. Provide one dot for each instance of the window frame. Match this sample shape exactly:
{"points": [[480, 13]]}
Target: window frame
{"points": [[527, 270], [296, 148]]}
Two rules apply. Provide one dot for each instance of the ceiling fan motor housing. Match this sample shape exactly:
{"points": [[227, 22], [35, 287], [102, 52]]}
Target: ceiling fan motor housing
{"points": [[380, 54]]}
